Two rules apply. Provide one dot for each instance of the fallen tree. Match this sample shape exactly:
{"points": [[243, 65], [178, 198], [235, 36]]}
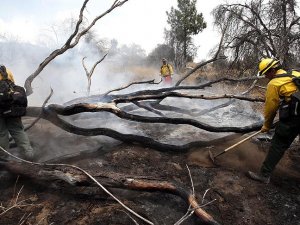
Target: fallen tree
{"points": [[109, 103], [149, 100]]}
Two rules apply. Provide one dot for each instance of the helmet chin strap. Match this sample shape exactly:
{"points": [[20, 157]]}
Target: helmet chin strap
{"points": [[259, 75]]}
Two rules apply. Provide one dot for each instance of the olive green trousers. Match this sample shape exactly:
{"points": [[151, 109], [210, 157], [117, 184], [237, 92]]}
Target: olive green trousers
{"points": [[285, 133], [15, 128]]}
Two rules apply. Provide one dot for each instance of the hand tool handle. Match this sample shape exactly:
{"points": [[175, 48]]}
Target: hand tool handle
{"points": [[238, 143]]}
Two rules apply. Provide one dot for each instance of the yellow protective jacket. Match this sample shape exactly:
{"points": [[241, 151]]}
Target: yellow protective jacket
{"points": [[166, 70], [9, 75], [277, 89]]}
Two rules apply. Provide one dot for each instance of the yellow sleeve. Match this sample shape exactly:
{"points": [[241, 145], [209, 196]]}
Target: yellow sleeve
{"points": [[171, 69], [271, 104], [10, 76]]}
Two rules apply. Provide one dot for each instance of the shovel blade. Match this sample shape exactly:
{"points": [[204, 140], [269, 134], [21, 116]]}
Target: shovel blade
{"points": [[211, 156]]}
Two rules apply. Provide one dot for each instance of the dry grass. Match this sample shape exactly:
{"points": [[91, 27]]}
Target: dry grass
{"points": [[139, 72], [17, 203], [145, 73]]}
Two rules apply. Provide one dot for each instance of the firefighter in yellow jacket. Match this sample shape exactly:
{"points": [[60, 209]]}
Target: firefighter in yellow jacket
{"points": [[166, 72], [279, 95], [14, 127]]}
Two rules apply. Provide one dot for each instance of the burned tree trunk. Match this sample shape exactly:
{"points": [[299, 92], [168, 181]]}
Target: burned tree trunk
{"points": [[109, 103], [67, 176]]}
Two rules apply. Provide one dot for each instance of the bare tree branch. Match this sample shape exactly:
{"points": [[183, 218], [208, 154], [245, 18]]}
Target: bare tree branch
{"points": [[39, 117], [90, 73], [70, 43], [128, 85], [215, 58]]}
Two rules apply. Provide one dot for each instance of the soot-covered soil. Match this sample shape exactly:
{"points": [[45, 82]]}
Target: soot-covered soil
{"points": [[239, 200]]}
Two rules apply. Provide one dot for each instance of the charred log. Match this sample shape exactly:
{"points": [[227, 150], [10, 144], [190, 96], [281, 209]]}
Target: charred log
{"points": [[60, 175], [127, 138], [108, 98], [52, 111], [52, 116]]}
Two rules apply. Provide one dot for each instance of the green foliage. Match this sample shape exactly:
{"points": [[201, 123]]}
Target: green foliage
{"points": [[94, 48], [184, 22], [161, 51]]}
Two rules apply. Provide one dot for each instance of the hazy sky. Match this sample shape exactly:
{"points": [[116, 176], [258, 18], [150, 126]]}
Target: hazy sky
{"points": [[137, 21]]}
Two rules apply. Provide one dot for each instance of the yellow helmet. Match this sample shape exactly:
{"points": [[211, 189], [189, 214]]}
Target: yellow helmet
{"points": [[266, 64]]}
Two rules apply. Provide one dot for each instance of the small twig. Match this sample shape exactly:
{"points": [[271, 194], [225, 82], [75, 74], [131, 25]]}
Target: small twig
{"points": [[41, 220], [18, 194], [260, 87], [189, 212], [148, 108], [22, 218], [191, 179], [15, 187], [250, 88], [204, 195], [17, 205], [29, 214], [128, 85], [90, 73], [136, 223], [208, 203]]}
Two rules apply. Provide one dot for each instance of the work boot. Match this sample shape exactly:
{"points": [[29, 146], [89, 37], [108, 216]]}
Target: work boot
{"points": [[29, 155], [259, 177], [3, 156]]}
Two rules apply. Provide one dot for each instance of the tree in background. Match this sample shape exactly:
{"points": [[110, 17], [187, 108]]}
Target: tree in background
{"points": [[260, 28], [161, 51], [95, 45], [184, 22]]}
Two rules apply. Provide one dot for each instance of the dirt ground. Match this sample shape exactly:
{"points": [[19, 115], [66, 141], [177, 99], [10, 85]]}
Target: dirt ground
{"points": [[239, 200]]}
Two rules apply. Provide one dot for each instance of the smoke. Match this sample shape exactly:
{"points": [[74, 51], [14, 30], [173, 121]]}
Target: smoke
{"points": [[66, 76]]}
